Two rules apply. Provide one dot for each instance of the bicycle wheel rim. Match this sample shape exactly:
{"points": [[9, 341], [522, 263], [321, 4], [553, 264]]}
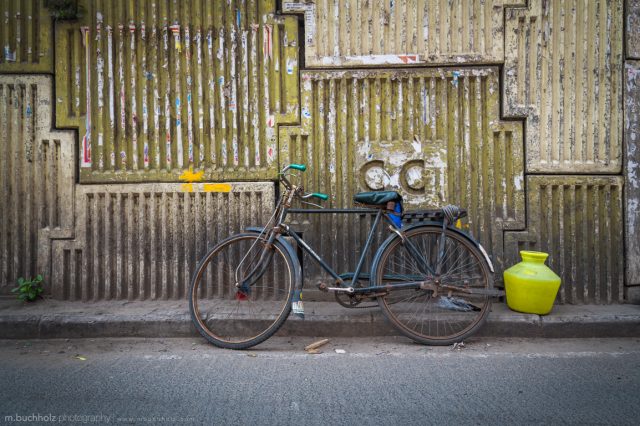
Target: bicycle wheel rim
{"points": [[239, 318], [435, 318]]}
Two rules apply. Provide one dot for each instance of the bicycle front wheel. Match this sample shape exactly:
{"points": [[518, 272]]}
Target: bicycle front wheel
{"points": [[241, 291], [440, 315]]}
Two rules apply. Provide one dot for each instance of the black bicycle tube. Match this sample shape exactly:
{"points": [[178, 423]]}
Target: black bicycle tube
{"points": [[315, 256], [366, 248], [415, 254]]}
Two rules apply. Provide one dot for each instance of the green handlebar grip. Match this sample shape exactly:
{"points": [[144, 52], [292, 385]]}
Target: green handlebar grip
{"points": [[320, 195], [300, 167]]}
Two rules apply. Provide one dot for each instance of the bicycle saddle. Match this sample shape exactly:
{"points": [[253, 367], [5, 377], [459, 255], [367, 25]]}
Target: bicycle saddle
{"points": [[377, 198]]}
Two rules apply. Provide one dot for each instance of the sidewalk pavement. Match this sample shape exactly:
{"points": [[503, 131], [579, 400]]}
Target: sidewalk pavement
{"points": [[61, 319]]}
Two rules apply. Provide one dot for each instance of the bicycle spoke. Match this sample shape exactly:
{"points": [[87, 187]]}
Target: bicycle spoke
{"points": [[240, 317], [441, 318]]}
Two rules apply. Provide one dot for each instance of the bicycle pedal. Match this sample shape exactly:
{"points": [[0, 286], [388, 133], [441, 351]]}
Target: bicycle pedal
{"points": [[322, 287]]}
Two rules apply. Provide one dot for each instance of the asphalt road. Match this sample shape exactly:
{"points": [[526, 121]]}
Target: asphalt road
{"points": [[376, 381]]}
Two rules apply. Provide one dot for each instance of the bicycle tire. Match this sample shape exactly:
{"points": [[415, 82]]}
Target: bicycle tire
{"points": [[425, 316], [239, 318]]}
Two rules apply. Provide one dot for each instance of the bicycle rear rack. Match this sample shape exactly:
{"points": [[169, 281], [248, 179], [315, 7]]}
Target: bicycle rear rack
{"points": [[409, 217]]}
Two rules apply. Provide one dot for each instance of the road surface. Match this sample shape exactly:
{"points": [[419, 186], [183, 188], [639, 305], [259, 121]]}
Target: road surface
{"points": [[375, 381]]}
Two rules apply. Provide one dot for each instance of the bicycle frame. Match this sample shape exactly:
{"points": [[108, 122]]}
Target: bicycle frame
{"points": [[326, 266], [281, 228], [351, 288]]}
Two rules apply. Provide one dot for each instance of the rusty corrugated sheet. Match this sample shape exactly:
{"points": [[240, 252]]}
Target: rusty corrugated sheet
{"points": [[578, 220], [143, 241], [36, 177], [632, 170], [435, 135], [100, 241], [170, 85], [401, 32], [632, 35], [563, 68], [26, 35]]}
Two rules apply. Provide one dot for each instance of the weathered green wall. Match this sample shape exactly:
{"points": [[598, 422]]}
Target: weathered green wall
{"points": [[522, 111], [164, 86]]}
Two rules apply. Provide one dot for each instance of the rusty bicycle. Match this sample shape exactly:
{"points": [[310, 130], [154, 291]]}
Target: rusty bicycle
{"points": [[433, 281]]}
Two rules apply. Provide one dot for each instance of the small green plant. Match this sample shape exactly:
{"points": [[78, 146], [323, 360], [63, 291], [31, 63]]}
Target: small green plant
{"points": [[64, 10], [29, 290]]}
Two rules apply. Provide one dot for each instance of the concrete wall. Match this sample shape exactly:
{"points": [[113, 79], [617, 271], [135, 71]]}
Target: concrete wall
{"points": [[522, 111]]}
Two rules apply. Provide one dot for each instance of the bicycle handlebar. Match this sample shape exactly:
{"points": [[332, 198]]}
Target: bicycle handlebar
{"points": [[319, 195], [302, 168]]}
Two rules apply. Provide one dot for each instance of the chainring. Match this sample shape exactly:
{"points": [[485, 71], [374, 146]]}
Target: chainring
{"points": [[353, 301]]}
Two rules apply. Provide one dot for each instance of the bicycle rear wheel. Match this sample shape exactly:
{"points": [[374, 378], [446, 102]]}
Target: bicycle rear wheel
{"points": [[443, 316], [240, 316]]}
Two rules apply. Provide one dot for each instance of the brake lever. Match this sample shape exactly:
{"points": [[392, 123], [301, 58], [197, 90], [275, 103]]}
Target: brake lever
{"points": [[312, 204], [287, 174]]}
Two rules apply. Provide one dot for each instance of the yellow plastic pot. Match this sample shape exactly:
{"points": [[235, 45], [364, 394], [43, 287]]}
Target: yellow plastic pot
{"points": [[531, 286]]}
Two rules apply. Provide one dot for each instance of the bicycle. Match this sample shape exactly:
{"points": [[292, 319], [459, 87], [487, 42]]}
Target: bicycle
{"points": [[432, 281]]}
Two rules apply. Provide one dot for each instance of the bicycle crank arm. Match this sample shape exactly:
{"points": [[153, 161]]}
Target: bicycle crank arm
{"points": [[348, 290], [326, 289]]}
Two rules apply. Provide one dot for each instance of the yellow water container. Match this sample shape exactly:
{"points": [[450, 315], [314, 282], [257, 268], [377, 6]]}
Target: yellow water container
{"points": [[531, 286]]}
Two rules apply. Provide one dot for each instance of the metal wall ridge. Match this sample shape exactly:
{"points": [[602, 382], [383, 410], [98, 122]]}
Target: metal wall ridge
{"points": [[563, 71], [36, 178], [579, 221], [157, 87], [143, 241], [434, 135], [398, 33], [26, 37]]}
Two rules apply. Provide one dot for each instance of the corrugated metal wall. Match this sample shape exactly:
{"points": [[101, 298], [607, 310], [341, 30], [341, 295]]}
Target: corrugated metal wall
{"points": [[632, 168], [519, 110], [402, 32], [156, 87], [141, 241], [36, 177], [579, 221], [632, 152], [563, 71], [434, 135], [25, 37]]}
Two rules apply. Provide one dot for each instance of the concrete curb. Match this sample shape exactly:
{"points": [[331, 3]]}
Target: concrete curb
{"points": [[57, 319]]}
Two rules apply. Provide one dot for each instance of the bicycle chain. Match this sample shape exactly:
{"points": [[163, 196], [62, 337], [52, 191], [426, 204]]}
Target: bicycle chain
{"points": [[349, 304]]}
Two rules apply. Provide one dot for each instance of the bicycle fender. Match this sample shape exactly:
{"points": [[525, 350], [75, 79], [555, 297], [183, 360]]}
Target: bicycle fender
{"points": [[451, 228], [297, 270]]}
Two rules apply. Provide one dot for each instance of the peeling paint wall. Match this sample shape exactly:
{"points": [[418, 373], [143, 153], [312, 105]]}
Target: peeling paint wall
{"points": [[524, 112], [433, 135], [401, 32], [632, 29], [578, 221], [157, 87], [113, 76], [632, 150], [563, 72], [36, 178], [26, 37], [632, 167], [142, 241]]}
